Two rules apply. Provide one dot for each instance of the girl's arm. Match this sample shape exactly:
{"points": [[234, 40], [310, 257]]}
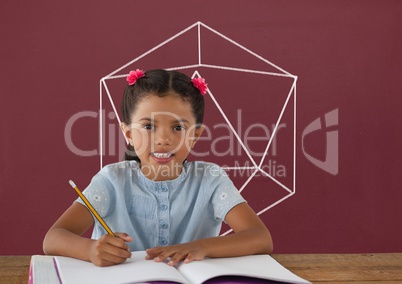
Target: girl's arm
{"points": [[250, 237], [64, 238]]}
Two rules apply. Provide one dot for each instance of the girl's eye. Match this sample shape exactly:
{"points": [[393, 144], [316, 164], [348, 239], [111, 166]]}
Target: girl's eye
{"points": [[179, 128], [148, 126]]}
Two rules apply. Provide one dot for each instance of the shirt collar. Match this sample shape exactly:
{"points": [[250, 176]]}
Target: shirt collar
{"points": [[156, 185]]}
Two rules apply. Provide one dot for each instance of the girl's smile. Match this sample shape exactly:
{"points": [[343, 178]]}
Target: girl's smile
{"points": [[161, 157]]}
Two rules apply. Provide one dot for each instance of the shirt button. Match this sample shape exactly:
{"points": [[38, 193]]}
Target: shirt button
{"points": [[164, 189], [163, 207], [164, 226], [163, 242]]}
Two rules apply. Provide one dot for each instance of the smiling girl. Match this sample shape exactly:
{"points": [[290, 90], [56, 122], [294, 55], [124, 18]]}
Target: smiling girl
{"points": [[155, 200]]}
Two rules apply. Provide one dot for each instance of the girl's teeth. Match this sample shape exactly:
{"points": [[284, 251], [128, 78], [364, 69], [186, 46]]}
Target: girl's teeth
{"points": [[162, 155]]}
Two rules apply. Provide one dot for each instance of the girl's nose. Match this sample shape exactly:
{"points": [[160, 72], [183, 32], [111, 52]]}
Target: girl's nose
{"points": [[163, 137]]}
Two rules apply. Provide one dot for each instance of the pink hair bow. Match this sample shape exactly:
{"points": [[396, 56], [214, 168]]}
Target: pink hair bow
{"points": [[133, 76], [200, 84]]}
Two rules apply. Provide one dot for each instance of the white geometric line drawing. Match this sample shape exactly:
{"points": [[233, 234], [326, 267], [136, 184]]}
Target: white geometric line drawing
{"points": [[279, 72]]}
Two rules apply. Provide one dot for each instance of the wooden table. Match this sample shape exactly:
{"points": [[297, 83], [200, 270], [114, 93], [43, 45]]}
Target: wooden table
{"points": [[317, 268], [345, 268]]}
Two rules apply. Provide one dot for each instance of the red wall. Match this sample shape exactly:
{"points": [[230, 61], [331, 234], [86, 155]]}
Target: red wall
{"points": [[346, 55]]}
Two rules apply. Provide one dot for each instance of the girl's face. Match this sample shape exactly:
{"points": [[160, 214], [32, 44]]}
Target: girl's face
{"points": [[162, 132]]}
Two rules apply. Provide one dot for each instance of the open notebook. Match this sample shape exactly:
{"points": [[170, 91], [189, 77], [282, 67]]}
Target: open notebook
{"points": [[245, 269]]}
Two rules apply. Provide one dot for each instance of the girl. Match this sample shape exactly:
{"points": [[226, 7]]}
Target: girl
{"points": [[165, 205]]}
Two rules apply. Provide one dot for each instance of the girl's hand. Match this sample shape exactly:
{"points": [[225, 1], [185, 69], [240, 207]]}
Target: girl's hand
{"points": [[186, 252], [109, 250]]}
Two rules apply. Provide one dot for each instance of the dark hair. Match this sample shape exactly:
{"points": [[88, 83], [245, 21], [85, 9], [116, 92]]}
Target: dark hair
{"points": [[161, 83]]}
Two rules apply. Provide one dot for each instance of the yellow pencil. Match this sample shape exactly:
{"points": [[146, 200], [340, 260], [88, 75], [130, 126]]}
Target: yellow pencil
{"points": [[90, 207]]}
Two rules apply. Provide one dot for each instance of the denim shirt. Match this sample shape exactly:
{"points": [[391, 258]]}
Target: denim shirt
{"points": [[160, 213]]}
